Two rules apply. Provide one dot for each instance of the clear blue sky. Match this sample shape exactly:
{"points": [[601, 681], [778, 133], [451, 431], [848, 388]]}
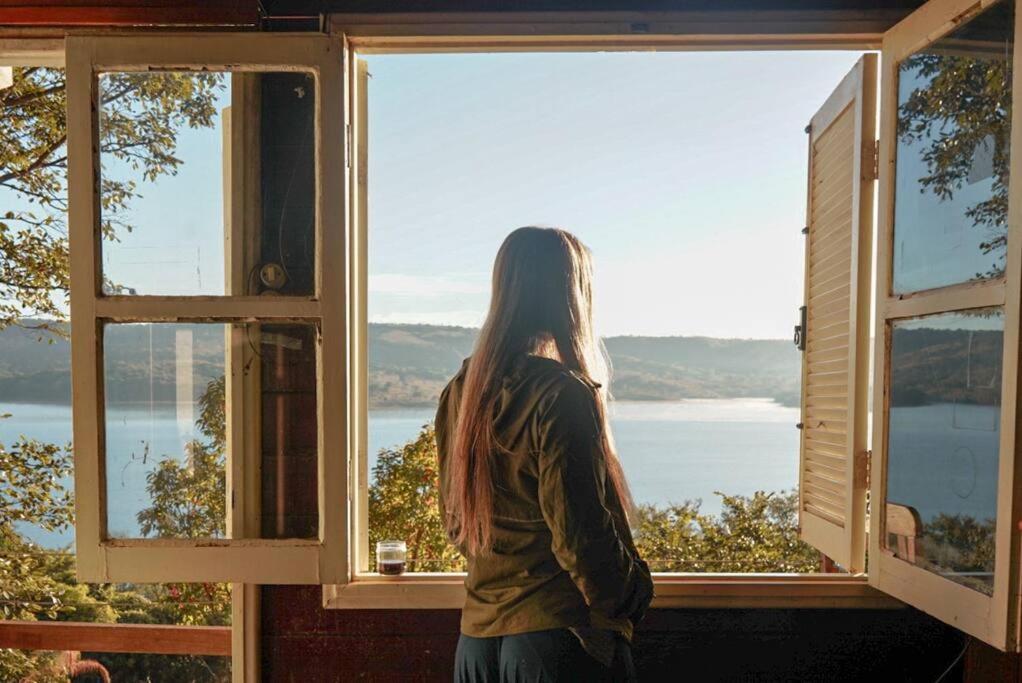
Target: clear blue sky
{"points": [[684, 172]]}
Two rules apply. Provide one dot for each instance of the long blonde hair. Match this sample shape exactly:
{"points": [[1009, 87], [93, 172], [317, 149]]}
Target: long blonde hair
{"points": [[542, 299]]}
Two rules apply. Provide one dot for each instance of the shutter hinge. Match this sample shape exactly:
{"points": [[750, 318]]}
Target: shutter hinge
{"points": [[870, 160], [863, 460]]}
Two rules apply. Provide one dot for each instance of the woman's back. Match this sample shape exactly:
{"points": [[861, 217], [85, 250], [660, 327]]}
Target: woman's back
{"points": [[555, 520]]}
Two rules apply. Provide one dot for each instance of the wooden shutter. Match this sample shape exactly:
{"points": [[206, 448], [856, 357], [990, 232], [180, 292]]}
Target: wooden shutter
{"points": [[835, 360]]}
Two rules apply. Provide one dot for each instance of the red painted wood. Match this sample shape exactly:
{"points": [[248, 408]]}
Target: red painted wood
{"points": [[244, 13], [139, 638]]}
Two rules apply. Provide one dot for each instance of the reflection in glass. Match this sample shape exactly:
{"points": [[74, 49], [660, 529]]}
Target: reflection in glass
{"points": [[181, 169], [943, 443], [954, 126], [167, 422]]}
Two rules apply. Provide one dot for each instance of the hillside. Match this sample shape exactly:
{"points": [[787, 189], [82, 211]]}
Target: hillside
{"points": [[409, 365]]}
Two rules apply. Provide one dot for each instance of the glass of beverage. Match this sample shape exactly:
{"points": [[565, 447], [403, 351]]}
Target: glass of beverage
{"points": [[390, 557]]}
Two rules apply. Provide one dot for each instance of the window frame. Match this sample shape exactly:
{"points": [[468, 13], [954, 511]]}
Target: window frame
{"points": [[251, 560], [993, 619], [383, 34]]}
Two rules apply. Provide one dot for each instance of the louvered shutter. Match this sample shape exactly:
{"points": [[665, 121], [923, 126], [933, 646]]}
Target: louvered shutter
{"points": [[835, 332]]}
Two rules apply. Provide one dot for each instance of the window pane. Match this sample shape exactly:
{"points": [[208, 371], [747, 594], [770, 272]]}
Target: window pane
{"points": [[168, 417], [951, 186], [943, 443], [188, 157]]}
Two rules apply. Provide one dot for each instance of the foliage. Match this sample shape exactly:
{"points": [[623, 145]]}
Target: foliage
{"points": [[404, 505], [964, 105], [30, 485], [34, 584], [141, 116], [752, 534], [757, 533], [188, 500], [188, 497], [959, 543]]}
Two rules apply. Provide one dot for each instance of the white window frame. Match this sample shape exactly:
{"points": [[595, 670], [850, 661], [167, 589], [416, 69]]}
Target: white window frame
{"points": [[372, 34], [993, 619], [249, 560]]}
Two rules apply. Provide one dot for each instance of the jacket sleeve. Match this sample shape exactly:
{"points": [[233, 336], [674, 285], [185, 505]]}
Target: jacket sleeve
{"points": [[580, 511]]}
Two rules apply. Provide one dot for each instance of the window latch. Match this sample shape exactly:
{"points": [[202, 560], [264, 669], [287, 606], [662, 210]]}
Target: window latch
{"points": [[800, 329]]}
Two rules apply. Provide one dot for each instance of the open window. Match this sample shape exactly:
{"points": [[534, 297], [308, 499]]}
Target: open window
{"points": [[943, 486], [945, 496], [407, 339], [208, 327]]}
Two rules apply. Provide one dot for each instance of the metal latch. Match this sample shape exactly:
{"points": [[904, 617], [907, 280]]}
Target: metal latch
{"points": [[801, 328]]}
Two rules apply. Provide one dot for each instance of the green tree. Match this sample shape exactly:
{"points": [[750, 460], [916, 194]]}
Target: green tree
{"points": [[141, 116], [187, 501], [757, 533], [35, 584], [403, 505], [962, 108]]}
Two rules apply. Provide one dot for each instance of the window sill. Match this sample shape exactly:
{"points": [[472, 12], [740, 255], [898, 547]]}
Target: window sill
{"points": [[719, 591]]}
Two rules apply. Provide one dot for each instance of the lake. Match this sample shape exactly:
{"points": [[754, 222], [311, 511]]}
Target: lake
{"points": [[672, 451]]}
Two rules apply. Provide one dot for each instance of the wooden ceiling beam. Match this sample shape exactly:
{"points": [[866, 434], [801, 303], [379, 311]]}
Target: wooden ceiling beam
{"points": [[78, 13]]}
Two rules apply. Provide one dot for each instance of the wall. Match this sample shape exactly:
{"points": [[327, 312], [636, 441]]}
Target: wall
{"points": [[303, 642]]}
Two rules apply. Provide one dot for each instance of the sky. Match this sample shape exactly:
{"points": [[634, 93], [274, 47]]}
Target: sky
{"points": [[685, 173]]}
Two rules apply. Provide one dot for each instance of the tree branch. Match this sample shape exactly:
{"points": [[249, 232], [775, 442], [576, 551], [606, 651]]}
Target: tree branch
{"points": [[31, 97], [53, 147]]}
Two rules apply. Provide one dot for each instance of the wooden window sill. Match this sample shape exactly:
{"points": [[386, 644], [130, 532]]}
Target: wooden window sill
{"points": [[734, 591]]}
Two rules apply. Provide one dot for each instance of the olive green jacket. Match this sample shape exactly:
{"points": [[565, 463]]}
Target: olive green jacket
{"points": [[562, 551]]}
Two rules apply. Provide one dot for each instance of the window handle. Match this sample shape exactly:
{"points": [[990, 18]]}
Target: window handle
{"points": [[800, 329]]}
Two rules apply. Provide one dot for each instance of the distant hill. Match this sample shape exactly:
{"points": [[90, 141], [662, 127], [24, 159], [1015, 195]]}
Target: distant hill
{"points": [[409, 365]]}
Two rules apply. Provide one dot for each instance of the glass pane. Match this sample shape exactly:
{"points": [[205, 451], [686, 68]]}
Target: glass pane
{"points": [[167, 422], [175, 147], [943, 443], [951, 185]]}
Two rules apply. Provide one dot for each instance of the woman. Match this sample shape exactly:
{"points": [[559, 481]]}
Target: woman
{"points": [[532, 492]]}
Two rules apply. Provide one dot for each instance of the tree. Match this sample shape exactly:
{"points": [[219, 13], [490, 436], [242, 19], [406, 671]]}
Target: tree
{"points": [[35, 584], [141, 116], [404, 505], [757, 533], [188, 501], [963, 105]]}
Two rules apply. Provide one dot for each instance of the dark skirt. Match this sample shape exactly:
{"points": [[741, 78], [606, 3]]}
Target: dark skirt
{"points": [[538, 657]]}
